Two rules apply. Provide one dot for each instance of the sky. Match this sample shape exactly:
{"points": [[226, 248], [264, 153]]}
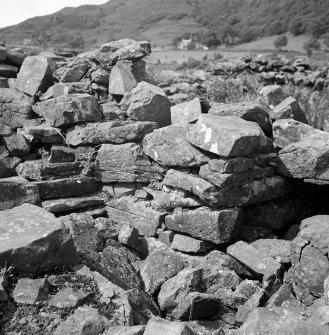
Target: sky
{"points": [[16, 11]]}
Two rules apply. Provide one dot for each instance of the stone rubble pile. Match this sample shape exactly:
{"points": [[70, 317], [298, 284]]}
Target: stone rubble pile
{"points": [[186, 219]]}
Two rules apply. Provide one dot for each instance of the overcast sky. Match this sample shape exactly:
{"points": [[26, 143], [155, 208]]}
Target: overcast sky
{"points": [[15, 11]]}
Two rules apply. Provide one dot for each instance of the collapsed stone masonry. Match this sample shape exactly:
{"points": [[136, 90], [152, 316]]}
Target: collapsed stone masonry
{"points": [[175, 211]]}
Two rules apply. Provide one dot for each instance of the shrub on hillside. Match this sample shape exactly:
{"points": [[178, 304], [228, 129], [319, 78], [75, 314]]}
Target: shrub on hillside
{"points": [[280, 42], [191, 63], [297, 27], [311, 45]]}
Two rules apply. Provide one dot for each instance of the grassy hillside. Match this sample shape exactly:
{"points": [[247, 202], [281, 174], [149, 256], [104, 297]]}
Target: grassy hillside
{"points": [[162, 20]]}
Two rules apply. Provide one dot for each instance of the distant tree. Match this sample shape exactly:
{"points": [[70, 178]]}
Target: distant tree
{"points": [[176, 41], [311, 45], [77, 42], [248, 35], [315, 28], [297, 27], [227, 34], [191, 46], [210, 40], [326, 40], [40, 38], [60, 37], [276, 28], [280, 42]]}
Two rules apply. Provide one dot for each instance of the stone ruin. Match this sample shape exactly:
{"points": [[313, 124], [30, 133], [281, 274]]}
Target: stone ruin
{"points": [[186, 219]]}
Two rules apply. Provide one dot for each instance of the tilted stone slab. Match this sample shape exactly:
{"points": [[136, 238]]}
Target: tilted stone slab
{"points": [[247, 110], [216, 226], [186, 112], [34, 76], [33, 240], [109, 132], [289, 108], [228, 136], [126, 163], [15, 108], [67, 110], [272, 95], [168, 147], [41, 170], [44, 134], [16, 191]]}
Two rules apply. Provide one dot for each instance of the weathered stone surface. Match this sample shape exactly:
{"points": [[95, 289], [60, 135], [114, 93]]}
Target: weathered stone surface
{"points": [[65, 188], [189, 244], [310, 265], [69, 204], [65, 89], [247, 110], [186, 112], [16, 191], [29, 291], [33, 240], [7, 70], [41, 170], [4, 82], [44, 134], [126, 330], [124, 42], [261, 264], [34, 75], [289, 108], [132, 52], [228, 136], [68, 110], [74, 71], [100, 76], [139, 214], [272, 95], [306, 159], [129, 237], [164, 327], [8, 166], [17, 145], [125, 162], [282, 295], [122, 79], [168, 147], [147, 102], [109, 132], [176, 289], [161, 264], [278, 249], [67, 298], [15, 56], [287, 131], [3, 53], [61, 154], [247, 287], [218, 227], [85, 320], [300, 327], [5, 130], [15, 108]]}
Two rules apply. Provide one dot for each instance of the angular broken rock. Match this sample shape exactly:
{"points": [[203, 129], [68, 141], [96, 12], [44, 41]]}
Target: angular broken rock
{"points": [[74, 71], [16, 191], [126, 163], [41, 170], [147, 102], [15, 108], [164, 327], [17, 145], [168, 147], [272, 95], [44, 134], [189, 244], [109, 132], [247, 110], [34, 76], [186, 112], [125, 330], [129, 237], [289, 109], [61, 154], [33, 240], [216, 226], [67, 298], [278, 249], [29, 291], [122, 79], [67, 110], [228, 136], [161, 264]]}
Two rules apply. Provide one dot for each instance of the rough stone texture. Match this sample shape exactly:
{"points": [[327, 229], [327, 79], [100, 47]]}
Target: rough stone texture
{"points": [[160, 265], [310, 265], [41, 170], [7, 70], [17, 145], [147, 102], [8, 166], [189, 244], [300, 327], [164, 327], [278, 249], [5, 130], [272, 95], [129, 236], [61, 154], [218, 227], [44, 134], [34, 76], [100, 76], [15, 56], [16, 191], [74, 71], [125, 330], [67, 110], [126, 163], [228, 136], [122, 79], [32, 239], [247, 110], [287, 131], [168, 147], [283, 295], [261, 264], [289, 108], [65, 188], [85, 320], [15, 108], [186, 112], [176, 289], [139, 214], [109, 132], [67, 298], [29, 291], [306, 159]]}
